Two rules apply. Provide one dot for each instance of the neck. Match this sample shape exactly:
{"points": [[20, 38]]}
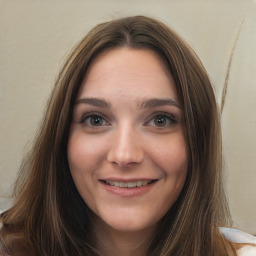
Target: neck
{"points": [[111, 242]]}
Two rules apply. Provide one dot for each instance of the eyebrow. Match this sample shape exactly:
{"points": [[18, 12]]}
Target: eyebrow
{"points": [[150, 103], [95, 102]]}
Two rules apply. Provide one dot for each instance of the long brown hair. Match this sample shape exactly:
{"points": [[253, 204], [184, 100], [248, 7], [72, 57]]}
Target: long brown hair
{"points": [[50, 218]]}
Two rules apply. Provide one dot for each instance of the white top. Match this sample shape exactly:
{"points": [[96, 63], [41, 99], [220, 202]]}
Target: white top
{"points": [[240, 237], [233, 235]]}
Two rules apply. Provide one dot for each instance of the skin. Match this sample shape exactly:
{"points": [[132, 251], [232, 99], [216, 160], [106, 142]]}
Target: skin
{"points": [[124, 135]]}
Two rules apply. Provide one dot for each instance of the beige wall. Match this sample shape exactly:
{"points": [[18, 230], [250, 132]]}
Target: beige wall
{"points": [[35, 37]]}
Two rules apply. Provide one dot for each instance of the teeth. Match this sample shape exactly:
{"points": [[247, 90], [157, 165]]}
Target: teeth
{"points": [[139, 183], [131, 184], [144, 183], [122, 184], [112, 183]]}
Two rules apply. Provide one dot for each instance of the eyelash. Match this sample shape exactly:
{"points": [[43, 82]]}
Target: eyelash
{"points": [[163, 115]]}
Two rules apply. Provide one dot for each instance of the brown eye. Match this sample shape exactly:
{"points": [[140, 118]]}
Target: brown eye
{"points": [[160, 121], [94, 120]]}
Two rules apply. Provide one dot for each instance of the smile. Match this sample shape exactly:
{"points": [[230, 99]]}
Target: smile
{"points": [[130, 184]]}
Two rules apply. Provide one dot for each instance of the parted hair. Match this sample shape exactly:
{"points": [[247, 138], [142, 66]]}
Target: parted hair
{"points": [[49, 217]]}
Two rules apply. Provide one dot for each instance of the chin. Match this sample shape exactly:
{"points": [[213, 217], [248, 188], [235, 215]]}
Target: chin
{"points": [[129, 222]]}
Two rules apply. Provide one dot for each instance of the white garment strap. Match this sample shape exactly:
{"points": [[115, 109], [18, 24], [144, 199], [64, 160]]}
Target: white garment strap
{"points": [[237, 236]]}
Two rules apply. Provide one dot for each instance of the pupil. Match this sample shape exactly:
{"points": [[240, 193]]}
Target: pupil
{"points": [[96, 120], [160, 121]]}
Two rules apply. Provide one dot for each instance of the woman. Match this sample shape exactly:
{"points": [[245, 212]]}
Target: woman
{"points": [[128, 157]]}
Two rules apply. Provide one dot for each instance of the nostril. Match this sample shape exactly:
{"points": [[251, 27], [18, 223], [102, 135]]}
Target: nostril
{"points": [[125, 159]]}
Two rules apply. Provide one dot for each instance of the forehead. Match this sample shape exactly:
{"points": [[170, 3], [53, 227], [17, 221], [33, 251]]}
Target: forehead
{"points": [[129, 72]]}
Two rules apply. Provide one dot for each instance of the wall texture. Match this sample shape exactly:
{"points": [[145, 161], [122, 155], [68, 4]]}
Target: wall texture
{"points": [[36, 36]]}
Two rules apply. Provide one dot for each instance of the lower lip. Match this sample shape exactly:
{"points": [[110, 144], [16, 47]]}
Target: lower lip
{"points": [[129, 192]]}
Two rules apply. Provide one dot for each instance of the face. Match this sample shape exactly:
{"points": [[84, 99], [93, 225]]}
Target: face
{"points": [[126, 150]]}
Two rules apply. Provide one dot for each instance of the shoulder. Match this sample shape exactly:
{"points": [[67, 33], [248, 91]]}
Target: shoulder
{"points": [[245, 243]]}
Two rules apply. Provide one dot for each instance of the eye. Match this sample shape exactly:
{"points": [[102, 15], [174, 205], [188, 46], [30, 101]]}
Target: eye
{"points": [[94, 120], [162, 120]]}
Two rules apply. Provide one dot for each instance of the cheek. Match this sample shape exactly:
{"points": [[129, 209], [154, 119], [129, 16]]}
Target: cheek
{"points": [[171, 155], [84, 159], [83, 153], [170, 158]]}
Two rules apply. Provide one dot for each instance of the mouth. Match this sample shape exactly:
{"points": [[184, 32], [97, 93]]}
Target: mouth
{"points": [[129, 184]]}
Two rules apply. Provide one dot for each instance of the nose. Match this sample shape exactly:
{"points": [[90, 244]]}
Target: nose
{"points": [[126, 148]]}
